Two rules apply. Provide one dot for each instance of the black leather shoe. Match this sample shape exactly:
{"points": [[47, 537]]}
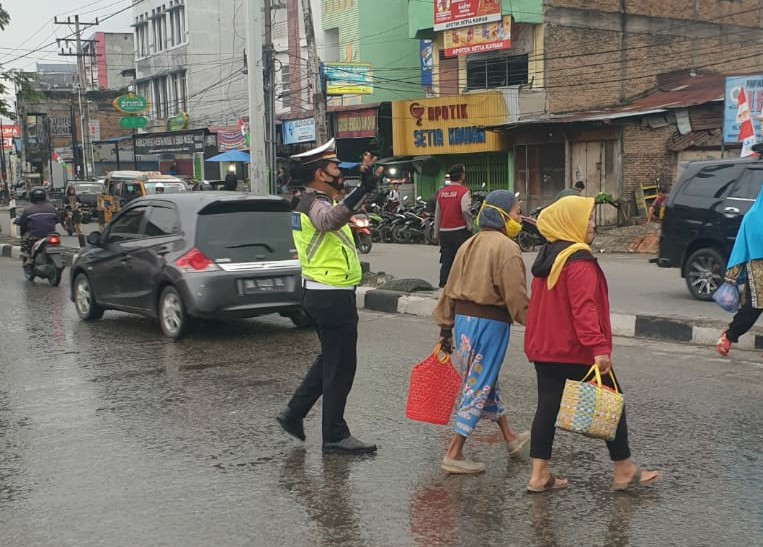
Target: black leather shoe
{"points": [[291, 424], [349, 445]]}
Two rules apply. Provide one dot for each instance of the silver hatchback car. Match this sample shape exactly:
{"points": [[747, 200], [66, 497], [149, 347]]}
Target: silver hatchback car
{"points": [[194, 255]]}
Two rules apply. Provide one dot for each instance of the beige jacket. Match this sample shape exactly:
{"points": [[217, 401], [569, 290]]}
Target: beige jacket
{"points": [[488, 271]]}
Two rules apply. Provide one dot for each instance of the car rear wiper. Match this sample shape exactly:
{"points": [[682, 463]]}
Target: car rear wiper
{"points": [[241, 245]]}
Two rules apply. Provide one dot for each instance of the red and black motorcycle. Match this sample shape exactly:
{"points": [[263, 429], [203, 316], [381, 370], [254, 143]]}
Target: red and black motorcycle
{"points": [[361, 233]]}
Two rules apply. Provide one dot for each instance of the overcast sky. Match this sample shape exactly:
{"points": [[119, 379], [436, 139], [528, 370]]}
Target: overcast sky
{"points": [[32, 27]]}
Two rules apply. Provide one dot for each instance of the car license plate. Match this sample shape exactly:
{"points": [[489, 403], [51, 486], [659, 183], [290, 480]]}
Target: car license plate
{"points": [[264, 284]]}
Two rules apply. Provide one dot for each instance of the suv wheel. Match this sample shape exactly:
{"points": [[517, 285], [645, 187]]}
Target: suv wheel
{"points": [[704, 272]]}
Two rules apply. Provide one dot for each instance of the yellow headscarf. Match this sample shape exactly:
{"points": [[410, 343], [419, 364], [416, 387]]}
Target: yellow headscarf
{"points": [[565, 220]]}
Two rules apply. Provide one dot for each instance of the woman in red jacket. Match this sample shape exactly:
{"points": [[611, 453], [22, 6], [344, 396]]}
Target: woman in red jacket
{"points": [[567, 330]]}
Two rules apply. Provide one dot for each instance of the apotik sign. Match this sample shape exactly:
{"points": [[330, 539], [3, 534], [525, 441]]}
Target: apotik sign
{"points": [[448, 125]]}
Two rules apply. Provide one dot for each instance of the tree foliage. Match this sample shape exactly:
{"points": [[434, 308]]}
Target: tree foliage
{"points": [[21, 81]]}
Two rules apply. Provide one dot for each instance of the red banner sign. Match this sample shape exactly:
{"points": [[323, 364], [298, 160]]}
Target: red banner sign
{"points": [[479, 38], [450, 14], [356, 124], [9, 133]]}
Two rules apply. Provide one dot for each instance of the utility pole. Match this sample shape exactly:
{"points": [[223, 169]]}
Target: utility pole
{"points": [[6, 192], [319, 99], [87, 156], [73, 123], [255, 31], [270, 93]]}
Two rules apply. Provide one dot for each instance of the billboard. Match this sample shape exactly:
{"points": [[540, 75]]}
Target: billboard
{"points": [[753, 92], [348, 78], [356, 124], [448, 125], [10, 132], [297, 131], [449, 14], [479, 38]]}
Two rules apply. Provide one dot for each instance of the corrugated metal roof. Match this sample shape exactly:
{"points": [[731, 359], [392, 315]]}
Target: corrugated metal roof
{"points": [[675, 92]]}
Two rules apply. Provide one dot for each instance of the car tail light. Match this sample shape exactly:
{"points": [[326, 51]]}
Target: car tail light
{"points": [[54, 240], [195, 261]]}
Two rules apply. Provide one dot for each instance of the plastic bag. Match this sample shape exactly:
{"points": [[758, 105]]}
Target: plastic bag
{"points": [[727, 297]]}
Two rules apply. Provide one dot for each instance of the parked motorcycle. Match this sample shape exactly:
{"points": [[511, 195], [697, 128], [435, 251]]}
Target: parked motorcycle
{"points": [[361, 232], [530, 237], [46, 260], [375, 221]]}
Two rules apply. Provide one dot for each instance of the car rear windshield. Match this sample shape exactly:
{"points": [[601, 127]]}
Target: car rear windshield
{"points": [[245, 231], [88, 188], [169, 187]]}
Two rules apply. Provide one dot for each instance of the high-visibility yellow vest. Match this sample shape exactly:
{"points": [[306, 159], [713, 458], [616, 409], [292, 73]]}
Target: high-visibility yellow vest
{"points": [[330, 258]]}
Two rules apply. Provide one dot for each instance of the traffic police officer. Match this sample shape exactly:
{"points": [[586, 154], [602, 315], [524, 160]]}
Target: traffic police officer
{"points": [[330, 273]]}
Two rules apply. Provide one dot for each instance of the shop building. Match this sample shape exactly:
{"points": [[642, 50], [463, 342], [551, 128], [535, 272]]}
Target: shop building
{"points": [[189, 61], [51, 132], [107, 56], [585, 84]]}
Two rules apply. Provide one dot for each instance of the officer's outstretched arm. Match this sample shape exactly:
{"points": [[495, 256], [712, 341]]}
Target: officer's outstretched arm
{"points": [[355, 199], [327, 217]]}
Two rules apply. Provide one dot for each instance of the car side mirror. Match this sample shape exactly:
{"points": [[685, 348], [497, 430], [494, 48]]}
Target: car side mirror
{"points": [[94, 238]]}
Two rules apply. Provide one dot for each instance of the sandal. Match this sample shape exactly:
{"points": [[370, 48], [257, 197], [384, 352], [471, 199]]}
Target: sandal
{"points": [[635, 481], [723, 346], [553, 483]]}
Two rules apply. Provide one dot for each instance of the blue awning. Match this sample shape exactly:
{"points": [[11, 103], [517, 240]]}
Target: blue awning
{"points": [[231, 155]]}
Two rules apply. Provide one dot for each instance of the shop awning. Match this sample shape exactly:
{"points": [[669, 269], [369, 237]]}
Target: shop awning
{"points": [[231, 155]]}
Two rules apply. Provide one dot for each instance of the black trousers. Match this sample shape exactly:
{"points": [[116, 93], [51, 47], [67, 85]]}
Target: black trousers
{"points": [[331, 375], [450, 242], [743, 320], [551, 378]]}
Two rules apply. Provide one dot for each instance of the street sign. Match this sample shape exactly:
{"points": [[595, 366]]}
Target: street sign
{"points": [[131, 103], [133, 122], [177, 122]]}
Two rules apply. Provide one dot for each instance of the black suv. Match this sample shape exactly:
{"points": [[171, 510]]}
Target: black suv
{"points": [[702, 217]]}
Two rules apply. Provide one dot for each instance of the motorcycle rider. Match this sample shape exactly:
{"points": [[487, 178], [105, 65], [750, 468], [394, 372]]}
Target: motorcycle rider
{"points": [[37, 221], [73, 209]]}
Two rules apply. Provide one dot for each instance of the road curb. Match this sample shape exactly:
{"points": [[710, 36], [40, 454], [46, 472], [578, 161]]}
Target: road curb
{"points": [[9, 251], [649, 327]]}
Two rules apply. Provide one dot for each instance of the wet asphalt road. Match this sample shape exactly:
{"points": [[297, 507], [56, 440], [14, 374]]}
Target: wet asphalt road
{"points": [[112, 436]]}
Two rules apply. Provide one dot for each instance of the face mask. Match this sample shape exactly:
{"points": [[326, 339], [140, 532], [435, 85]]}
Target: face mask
{"points": [[510, 226], [336, 182]]}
